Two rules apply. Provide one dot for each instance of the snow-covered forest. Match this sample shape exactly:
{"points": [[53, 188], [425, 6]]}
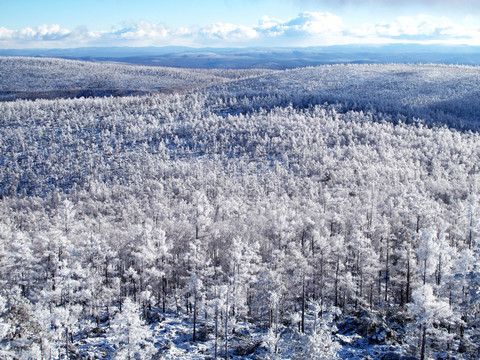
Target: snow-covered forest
{"points": [[28, 78], [315, 213]]}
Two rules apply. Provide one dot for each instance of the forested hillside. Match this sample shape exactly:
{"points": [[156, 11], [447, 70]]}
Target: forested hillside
{"points": [[433, 94], [304, 214], [31, 78]]}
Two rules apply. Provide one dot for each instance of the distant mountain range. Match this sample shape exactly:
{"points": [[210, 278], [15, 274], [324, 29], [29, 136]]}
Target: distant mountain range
{"points": [[271, 58]]}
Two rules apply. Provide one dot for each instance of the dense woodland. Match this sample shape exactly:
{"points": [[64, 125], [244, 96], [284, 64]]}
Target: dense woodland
{"points": [[37, 78], [268, 217]]}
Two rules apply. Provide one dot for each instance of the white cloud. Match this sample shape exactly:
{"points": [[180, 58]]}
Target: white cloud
{"points": [[51, 32], [25, 34], [43, 33], [473, 4], [5, 33], [421, 28], [315, 23], [142, 30], [412, 26], [308, 28], [305, 24], [221, 31]]}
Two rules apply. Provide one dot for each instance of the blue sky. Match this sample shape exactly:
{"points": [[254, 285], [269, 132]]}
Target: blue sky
{"points": [[236, 23]]}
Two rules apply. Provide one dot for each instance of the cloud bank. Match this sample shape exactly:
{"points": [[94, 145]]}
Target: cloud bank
{"points": [[306, 29], [471, 4]]}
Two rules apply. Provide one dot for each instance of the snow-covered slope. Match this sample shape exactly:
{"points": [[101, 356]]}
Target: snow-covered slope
{"points": [[32, 78], [292, 215], [437, 94]]}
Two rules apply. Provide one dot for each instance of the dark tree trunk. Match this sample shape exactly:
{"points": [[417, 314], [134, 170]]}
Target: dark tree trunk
{"points": [[387, 271], [195, 318], [424, 341], [303, 306], [407, 290], [336, 281]]}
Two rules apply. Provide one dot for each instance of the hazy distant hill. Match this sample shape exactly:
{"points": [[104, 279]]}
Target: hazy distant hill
{"points": [[272, 58]]}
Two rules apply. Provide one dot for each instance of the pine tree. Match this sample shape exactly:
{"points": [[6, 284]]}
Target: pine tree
{"points": [[317, 343], [5, 328], [129, 335], [430, 313]]}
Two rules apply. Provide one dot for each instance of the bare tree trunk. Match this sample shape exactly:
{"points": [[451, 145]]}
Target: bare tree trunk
{"points": [[226, 329], [424, 341], [195, 317], [470, 233], [303, 305], [424, 271], [336, 281], [216, 331], [407, 290], [387, 271], [66, 343], [164, 294]]}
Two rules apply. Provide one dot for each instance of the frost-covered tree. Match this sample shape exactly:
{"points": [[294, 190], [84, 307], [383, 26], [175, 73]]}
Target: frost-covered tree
{"points": [[317, 341], [129, 336], [194, 288], [21, 331], [431, 316], [4, 329], [317, 345]]}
